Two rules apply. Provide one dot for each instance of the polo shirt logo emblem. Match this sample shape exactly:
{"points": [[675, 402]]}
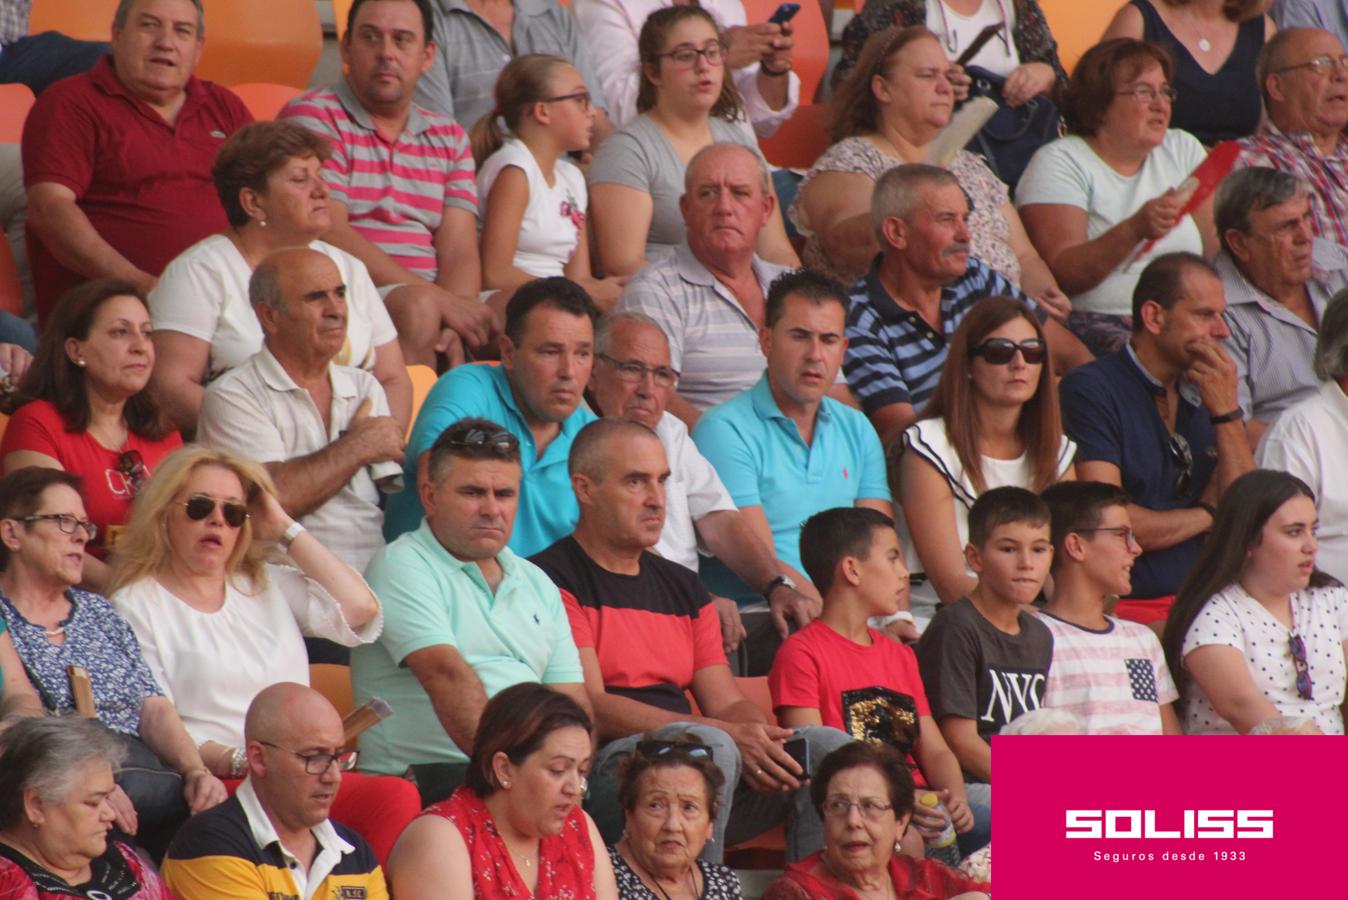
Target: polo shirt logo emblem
{"points": [[218, 135], [351, 893], [536, 619], [844, 472]]}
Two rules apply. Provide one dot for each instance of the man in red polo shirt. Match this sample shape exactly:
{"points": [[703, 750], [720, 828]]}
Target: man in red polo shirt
{"points": [[117, 161]]}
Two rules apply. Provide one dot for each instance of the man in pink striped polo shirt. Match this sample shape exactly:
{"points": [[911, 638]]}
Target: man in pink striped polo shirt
{"points": [[402, 181]]}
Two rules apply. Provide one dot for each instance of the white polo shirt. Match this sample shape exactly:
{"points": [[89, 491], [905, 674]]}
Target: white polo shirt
{"points": [[693, 490]]}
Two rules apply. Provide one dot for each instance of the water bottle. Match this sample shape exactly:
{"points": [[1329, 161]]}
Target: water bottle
{"points": [[942, 847]]}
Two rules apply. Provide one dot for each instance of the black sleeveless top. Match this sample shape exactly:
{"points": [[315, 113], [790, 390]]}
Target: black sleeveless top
{"points": [[1216, 107]]}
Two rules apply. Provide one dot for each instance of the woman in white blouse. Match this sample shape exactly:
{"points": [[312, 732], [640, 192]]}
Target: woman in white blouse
{"points": [[1257, 631], [217, 622], [992, 422], [268, 178]]}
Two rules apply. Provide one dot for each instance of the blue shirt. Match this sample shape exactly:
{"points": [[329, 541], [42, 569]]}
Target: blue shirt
{"points": [[763, 461], [893, 354], [547, 509], [1108, 410]]}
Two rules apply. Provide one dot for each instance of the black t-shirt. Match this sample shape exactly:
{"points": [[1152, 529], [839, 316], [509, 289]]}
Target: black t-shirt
{"points": [[974, 670]]}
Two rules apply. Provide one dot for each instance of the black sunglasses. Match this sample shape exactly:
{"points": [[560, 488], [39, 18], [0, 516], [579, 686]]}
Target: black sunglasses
{"points": [[201, 506], [501, 442], [654, 749], [1304, 688], [1183, 457], [1000, 351]]}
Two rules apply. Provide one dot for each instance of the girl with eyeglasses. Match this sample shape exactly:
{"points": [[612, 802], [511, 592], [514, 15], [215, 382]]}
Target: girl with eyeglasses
{"points": [[221, 587], [49, 623], [533, 197], [1257, 631], [864, 794], [992, 422], [685, 102], [515, 828], [87, 407]]}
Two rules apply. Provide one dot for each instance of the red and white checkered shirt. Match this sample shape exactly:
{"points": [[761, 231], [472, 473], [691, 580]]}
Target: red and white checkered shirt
{"points": [[1297, 155]]}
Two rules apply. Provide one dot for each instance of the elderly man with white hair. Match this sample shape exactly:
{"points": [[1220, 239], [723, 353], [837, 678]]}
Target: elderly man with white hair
{"points": [[1310, 440]]}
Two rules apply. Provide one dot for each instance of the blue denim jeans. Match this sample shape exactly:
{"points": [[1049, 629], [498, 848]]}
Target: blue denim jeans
{"points": [[41, 59], [741, 812]]}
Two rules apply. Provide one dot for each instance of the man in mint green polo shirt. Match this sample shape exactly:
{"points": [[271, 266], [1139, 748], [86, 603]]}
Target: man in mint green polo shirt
{"points": [[464, 617], [536, 392], [785, 450]]}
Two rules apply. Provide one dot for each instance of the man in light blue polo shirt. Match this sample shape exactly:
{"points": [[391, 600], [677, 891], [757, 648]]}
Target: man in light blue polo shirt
{"points": [[785, 450], [536, 391], [464, 617]]}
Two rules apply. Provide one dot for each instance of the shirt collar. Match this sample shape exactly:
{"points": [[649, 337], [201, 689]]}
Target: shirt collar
{"points": [[277, 378], [871, 289], [507, 559], [1304, 141], [1326, 256], [765, 405], [1186, 389], [416, 119], [105, 78], [264, 834]]}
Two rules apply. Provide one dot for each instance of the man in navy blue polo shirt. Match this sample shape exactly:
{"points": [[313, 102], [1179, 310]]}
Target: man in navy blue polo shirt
{"points": [[910, 303], [1162, 419]]}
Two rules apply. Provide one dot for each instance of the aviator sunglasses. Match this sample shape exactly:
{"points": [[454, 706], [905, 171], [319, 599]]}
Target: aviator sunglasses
{"points": [[201, 506]]}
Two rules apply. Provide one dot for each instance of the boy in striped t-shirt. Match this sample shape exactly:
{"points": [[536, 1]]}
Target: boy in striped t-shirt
{"points": [[1110, 672]]}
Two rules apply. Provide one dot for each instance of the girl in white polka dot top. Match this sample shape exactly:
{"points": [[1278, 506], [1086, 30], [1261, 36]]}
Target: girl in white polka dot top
{"points": [[1257, 631]]}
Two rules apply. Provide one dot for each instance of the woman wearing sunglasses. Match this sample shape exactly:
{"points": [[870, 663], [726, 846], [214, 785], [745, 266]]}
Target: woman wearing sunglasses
{"points": [[992, 422], [217, 621], [53, 624], [515, 828], [686, 103], [87, 408], [667, 790], [1257, 631]]}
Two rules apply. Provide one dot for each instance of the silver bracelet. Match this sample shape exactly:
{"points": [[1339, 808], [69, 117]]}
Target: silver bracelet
{"points": [[238, 762], [293, 530]]}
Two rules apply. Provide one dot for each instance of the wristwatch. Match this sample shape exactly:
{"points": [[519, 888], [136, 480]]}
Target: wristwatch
{"points": [[779, 581]]}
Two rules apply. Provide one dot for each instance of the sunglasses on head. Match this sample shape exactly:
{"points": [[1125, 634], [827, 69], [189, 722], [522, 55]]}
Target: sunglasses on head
{"points": [[501, 442], [1000, 351], [654, 749], [201, 506]]}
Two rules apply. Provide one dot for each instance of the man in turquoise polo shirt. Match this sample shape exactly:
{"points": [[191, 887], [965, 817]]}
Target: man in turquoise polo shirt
{"points": [[784, 449], [464, 617], [536, 392]]}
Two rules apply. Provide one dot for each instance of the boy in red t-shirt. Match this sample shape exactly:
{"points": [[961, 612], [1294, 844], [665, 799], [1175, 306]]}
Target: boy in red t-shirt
{"points": [[838, 671]]}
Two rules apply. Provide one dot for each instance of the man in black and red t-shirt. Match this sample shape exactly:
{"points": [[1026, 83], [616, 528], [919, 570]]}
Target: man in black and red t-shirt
{"points": [[647, 633]]}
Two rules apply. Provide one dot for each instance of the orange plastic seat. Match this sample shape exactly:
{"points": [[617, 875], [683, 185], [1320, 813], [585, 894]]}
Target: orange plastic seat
{"points": [[86, 20], [423, 379], [334, 682], [264, 101], [1076, 26], [810, 56], [800, 140], [15, 101], [340, 10]]}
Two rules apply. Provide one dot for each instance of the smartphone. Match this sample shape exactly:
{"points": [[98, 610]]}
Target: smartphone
{"points": [[798, 749], [784, 13]]}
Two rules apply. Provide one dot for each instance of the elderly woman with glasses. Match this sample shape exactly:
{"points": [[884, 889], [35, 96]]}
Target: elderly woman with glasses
{"points": [[515, 828], [54, 625], [87, 407], [1105, 200], [1258, 631], [667, 790], [865, 796], [56, 813], [219, 619]]}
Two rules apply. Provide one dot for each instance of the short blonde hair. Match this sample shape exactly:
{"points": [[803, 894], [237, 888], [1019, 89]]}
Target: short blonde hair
{"points": [[144, 549]]}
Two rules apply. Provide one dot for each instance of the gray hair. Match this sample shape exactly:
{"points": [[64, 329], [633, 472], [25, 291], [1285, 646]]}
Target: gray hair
{"points": [[713, 148], [264, 285], [1045, 721], [1331, 347], [1273, 57], [603, 335], [124, 12], [1251, 190], [896, 192], [1286, 725], [49, 755]]}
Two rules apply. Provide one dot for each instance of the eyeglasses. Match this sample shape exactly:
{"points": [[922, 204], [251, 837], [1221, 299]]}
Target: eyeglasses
{"points": [[131, 465], [713, 53], [200, 506], [1304, 688], [1122, 531], [1321, 65], [66, 522], [654, 749], [1145, 93], [317, 763], [581, 97], [1183, 457], [871, 808], [1000, 351], [501, 442], [633, 372]]}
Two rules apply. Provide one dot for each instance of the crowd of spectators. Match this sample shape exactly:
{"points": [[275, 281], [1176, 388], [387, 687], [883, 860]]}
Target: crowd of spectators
{"points": [[1059, 447]]}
